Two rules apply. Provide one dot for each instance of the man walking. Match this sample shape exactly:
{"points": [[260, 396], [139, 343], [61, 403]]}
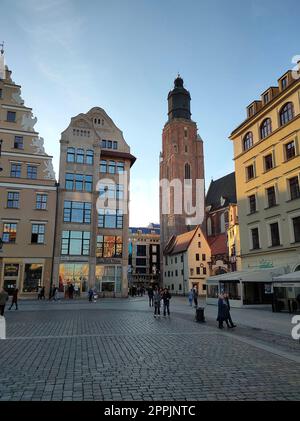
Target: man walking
{"points": [[166, 296], [150, 295], [226, 300], [195, 296], [3, 299], [156, 300], [14, 300]]}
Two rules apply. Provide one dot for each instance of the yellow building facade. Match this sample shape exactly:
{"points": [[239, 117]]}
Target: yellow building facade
{"points": [[267, 165]]}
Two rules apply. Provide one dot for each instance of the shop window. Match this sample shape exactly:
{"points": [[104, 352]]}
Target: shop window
{"points": [[32, 277]]}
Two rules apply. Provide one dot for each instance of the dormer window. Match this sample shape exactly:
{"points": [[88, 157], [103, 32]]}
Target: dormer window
{"points": [[266, 98], [284, 83], [250, 111], [222, 200]]}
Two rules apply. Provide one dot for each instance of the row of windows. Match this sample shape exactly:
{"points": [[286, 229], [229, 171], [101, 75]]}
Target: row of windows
{"points": [[16, 171], [9, 235], [286, 114], [109, 144], [170, 274], [79, 182], [80, 156], [269, 160], [271, 196], [175, 259], [111, 167], [13, 200], [274, 234], [81, 132]]}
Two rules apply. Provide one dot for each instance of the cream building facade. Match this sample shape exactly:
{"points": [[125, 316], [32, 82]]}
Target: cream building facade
{"points": [[187, 259], [267, 165], [91, 247], [27, 195]]}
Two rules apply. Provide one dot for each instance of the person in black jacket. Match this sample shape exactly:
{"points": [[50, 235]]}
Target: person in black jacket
{"points": [[150, 295], [227, 311], [14, 300], [166, 296]]}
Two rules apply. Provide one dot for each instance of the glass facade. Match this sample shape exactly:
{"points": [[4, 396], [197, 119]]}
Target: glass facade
{"points": [[73, 273], [108, 278], [32, 277]]}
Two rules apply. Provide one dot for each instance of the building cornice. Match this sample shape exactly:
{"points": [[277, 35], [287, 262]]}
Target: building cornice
{"points": [[26, 155], [15, 131]]}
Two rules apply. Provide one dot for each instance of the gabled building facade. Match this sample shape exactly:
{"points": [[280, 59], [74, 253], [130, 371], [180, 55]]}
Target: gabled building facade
{"points": [[93, 216], [27, 195]]}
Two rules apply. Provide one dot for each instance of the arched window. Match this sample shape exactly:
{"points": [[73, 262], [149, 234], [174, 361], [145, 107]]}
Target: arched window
{"points": [[265, 128], [70, 155], [187, 172], [248, 141], [286, 113], [208, 226]]}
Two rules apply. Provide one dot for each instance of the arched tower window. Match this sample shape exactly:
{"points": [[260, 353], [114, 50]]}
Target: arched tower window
{"points": [[248, 141], [187, 171]]}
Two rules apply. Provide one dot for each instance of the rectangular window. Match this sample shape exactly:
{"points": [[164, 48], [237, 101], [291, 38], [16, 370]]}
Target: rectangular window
{"points": [[192, 271], [110, 218], [13, 200], [141, 250], [266, 98], [252, 203], [9, 233], [141, 262], [284, 83], [18, 143], [103, 144], [70, 155], [198, 270], [255, 238], [15, 170], [120, 167], [32, 172], [290, 151], [75, 243], [41, 201], [109, 144], [296, 227], [88, 185], [294, 188], [11, 116], [203, 257], [89, 158], [197, 256], [69, 181], [115, 145], [0, 93], [268, 162], [271, 197], [32, 277], [38, 234], [204, 271], [77, 212], [79, 156], [103, 166], [250, 172], [112, 167], [109, 246], [79, 182], [275, 238]]}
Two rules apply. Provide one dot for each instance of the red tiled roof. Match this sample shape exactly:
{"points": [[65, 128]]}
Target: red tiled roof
{"points": [[218, 244], [180, 243]]}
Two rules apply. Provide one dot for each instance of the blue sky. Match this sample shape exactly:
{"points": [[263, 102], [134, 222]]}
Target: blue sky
{"points": [[123, 55]]}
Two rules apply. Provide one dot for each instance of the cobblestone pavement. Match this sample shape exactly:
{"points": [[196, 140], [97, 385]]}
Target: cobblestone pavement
{"points": [[118, 351]]}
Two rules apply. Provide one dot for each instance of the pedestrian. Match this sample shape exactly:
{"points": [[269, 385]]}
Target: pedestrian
{"points": [[71, 291], [191, 296], [90, 295], [3, 299], [14, 300], [54, 293], [150, 295], [43, 293], [195, 296], [166, 296], [39, 292], [222, 311], [227, 311], [156, 301]]}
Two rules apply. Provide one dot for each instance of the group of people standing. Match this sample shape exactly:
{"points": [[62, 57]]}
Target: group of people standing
{"points": [[224, 311], [156, 296]]}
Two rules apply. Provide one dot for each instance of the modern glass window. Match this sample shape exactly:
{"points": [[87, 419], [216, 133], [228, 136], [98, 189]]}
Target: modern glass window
{"points": [[103, 166], [89, 158], [294, 188], [79, 156], [290, 151], [120, 167], [120, 191], [79, 182], [109, 246], [265, 128], [115, 145], [41, 201], [32, 172], [255, 238], [11, 116], [13, 199], [69, 181], [296, 227], [15, 170], [88, 185], [271, 195], [112, 167], [110, 218], [38, 234], [19, 142], [252, 203], [250, 172], [75, 243], [77, 212], [9, 233], [70, 155], [248, 141], [275, 237], [286, 113], [187, 172], [268, 162]]}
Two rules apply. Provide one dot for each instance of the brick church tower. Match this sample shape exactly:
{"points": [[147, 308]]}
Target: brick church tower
{"points": [[181, 159]]}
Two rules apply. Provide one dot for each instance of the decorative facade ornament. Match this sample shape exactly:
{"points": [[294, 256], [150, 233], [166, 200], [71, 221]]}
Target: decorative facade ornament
{"points": [[16, 96], [49, 170], [28, 122], [38, 145]]}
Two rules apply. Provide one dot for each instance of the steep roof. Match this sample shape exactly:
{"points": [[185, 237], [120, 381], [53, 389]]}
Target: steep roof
{"points": [[180, 243], [218, 244], [223, 187]]}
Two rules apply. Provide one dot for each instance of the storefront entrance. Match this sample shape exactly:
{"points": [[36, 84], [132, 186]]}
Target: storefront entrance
{"points": [[257, 293], [76, 274]]}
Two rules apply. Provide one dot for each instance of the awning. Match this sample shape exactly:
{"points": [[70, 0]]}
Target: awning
{"points": [[261, 275], [289, 277]]}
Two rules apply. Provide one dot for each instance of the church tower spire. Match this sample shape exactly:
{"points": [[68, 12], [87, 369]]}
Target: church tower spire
{"points": [[179, 101]]}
